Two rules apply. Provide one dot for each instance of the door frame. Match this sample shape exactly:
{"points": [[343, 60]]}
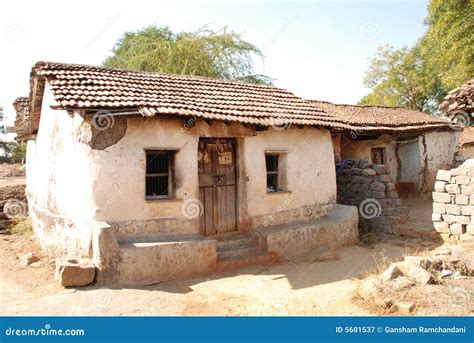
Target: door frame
{"points": [[234, 141]]}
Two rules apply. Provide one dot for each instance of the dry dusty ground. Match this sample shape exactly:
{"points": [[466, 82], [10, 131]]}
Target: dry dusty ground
{"points": [[11, 174], [290, 288], [301, 287]]}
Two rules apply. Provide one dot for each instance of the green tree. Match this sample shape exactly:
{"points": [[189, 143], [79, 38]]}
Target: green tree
{"points": [[12, 152], [448, 45], [400, 77], [419, 77], [219, 54]]}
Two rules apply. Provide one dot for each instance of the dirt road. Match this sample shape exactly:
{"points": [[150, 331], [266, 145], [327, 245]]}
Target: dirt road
{"points": [[291, 288]]}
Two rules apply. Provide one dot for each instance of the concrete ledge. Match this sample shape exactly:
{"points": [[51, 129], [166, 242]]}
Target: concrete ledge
{"points": [[164, 258], [338, 229]]}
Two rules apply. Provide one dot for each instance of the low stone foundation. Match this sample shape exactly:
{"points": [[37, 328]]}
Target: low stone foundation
{"points": [[133, 229], [337, 229], [285, 216], [152, 259], [146, 260], [453, 202], [370, 187]]}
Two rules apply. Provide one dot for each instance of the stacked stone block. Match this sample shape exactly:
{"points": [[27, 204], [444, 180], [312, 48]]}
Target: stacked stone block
{"points": [[453, 202], [370, 187]]}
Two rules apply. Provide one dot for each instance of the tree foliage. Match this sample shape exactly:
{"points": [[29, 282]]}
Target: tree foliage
{"points": [[12, 152], [419, 77], [219, 54], [448, 44], [401, 78]]}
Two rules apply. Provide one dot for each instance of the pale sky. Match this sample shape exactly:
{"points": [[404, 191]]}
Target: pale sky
{"points": [[315, 49]]}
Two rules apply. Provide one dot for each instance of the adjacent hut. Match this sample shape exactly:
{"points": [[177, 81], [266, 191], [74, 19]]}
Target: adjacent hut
{"points": [[414, 145]]}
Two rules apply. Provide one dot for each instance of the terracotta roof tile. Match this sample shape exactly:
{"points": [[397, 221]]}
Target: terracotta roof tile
{"points": [[22, 109], [90, 87], [459, 99], [467, 136], [381, 118]]}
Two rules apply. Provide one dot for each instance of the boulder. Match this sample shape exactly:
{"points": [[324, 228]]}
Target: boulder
{"points": [[392, 272], [381, 168], [378, 195], [28, 259], [404, 306], [369, 172], [392, 194], [467, 260], [383, 178], [456, 251], [377, 186], [420, 275], [72, 273], [401, 282]]}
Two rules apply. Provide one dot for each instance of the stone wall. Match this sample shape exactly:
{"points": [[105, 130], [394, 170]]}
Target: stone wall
{"points": [[371, 188], [453, 202]]}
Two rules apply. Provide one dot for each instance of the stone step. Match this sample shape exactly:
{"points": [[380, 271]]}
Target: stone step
{"points": [[233, 242], [260, 258], [241, 250]]}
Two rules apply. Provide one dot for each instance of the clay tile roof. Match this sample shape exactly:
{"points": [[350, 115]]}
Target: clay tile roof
{"points": [[382, 119], [460, 99], [22, 108], [90, 87], [467, 136]]}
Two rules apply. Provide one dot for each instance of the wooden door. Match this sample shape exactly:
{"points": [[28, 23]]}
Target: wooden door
{"points": [[217, 185]]}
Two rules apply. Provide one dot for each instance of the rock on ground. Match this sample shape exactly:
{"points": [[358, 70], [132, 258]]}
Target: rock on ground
{"points": [[420, 275], [404, 306], [28, 259], [468, 261], [392, 272], [71, 273]]}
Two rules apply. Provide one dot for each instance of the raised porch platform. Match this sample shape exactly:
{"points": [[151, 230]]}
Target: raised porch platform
{"points": [[149, 260]]}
